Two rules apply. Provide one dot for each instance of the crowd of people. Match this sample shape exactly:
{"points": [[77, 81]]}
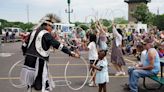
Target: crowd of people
{"points": [[9, 37], [148, 47]]}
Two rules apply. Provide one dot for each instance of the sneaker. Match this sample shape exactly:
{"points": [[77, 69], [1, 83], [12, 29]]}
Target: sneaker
{"points": [[91, 84], [118, 73], [123, 73]]}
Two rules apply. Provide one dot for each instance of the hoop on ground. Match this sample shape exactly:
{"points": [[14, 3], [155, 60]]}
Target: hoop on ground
{"points": [[65, 75], [9, 76]]}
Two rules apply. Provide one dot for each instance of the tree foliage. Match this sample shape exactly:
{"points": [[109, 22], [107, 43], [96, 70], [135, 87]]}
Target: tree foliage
{"points": [[77, 23], [150, 19], [159, 21], [84, 27], [120, 20], [141, 13], [105, 22], [24, 26]]}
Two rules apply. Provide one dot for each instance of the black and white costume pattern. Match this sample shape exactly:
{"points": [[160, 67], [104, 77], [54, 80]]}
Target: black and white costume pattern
{"points": [[35, 69]]}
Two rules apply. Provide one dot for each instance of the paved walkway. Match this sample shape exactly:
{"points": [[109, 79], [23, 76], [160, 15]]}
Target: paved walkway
{"points": [[76, 72]]}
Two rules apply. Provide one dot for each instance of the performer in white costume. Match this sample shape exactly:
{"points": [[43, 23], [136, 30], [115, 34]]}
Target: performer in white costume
{"points": [[35, 73]]}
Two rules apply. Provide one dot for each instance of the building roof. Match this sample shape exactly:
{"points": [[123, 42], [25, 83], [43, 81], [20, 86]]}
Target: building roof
{"points": [[136, 1]]}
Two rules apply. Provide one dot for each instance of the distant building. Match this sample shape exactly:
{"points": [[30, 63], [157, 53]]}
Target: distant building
{"points": [[132, 5], [139, 27]]}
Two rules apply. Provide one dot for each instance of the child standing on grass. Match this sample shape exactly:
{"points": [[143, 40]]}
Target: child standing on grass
{"points": [[102, 76]]}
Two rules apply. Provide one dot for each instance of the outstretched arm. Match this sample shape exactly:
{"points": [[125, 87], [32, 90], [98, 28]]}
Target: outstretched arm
{"points": [[56, 44], [115, 33]]}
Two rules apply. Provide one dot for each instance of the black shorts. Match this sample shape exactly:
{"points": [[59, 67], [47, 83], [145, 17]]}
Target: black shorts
{"points": [[102, 83]]}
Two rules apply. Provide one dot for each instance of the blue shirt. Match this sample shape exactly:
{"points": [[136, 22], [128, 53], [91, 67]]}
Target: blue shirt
{"points": [[156, 62]]}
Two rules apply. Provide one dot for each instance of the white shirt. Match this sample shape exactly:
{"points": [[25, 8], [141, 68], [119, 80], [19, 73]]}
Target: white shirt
{"points": [[118, 37], [102, 76], [143, 56], [93, 55]]}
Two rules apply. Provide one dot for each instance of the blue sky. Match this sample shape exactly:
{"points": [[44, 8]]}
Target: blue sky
{"points": [[83, 10]]}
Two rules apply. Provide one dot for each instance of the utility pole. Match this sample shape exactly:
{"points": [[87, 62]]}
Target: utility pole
{"points": [[158, 11], [69, 11]]}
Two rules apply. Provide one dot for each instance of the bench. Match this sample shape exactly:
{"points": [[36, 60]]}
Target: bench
{"points": [[158, 79]]}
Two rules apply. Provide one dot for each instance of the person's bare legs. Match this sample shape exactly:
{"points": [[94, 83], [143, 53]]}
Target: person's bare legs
{"points": [[104, 87], [92, 73], [29, 88], [117, 69], [100, 87], [121, 70]]}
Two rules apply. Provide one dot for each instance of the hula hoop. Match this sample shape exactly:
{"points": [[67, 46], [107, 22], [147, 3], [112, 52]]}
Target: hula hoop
{"points": [[65, 76], [67, 40], [9, 75], [91, 71], [91, 17]]}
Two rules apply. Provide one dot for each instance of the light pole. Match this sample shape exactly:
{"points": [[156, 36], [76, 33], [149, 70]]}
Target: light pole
{"points": [[69, 11]]}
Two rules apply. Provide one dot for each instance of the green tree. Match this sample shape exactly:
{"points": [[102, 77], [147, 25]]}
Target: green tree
{"points": [[77, 23], [84, 27], [141, 13], [159, 21], [24, 26], [105, 22], [110, 29], [120, 20], [150, 19]]}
